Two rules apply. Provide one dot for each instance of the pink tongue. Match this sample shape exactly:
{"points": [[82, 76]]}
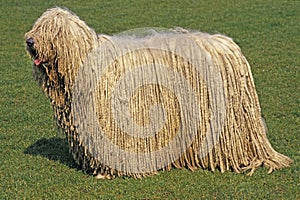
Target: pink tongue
{"points": [[37, 61]]}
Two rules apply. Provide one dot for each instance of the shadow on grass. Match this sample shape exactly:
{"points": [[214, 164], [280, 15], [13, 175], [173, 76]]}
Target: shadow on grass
{"points": [[54, 149]]}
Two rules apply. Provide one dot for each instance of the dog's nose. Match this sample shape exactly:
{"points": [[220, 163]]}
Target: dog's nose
{"points": [[30, 42]]}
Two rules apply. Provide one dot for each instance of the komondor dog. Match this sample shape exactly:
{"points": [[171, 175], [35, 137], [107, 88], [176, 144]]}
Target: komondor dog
{"points": [[150, 99]]}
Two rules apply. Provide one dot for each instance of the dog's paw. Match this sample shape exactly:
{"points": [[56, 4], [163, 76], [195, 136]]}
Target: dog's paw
{"points": [[103, 176]]}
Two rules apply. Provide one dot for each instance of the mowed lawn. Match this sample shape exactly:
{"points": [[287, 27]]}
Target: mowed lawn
{"points": [[34, 158]]}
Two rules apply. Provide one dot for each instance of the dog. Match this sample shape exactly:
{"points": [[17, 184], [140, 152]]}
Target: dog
{"points": [[61, 45]]}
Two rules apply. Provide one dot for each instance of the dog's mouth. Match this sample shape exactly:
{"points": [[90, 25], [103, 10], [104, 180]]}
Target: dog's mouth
{"points": [[32, 51]]}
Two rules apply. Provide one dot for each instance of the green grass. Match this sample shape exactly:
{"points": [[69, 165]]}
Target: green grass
{"points": [[35, 163]]}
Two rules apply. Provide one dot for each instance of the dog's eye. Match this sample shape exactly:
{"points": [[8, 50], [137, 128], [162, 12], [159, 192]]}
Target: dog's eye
{"points": [[30, 42]]}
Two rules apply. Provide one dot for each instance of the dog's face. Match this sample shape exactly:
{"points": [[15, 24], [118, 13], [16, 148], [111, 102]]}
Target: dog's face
{"points": [[43, 41]]}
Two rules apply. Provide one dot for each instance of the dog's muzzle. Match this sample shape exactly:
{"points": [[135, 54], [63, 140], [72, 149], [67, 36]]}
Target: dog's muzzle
{"points": [[32, 51], [30, 42]]}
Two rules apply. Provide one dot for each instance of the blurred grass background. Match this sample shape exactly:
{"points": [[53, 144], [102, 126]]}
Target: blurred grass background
{"points": [[35, 163]]}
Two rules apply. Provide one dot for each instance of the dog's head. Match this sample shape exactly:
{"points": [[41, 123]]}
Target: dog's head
{"points": [[60, 39], [58, 43]]}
